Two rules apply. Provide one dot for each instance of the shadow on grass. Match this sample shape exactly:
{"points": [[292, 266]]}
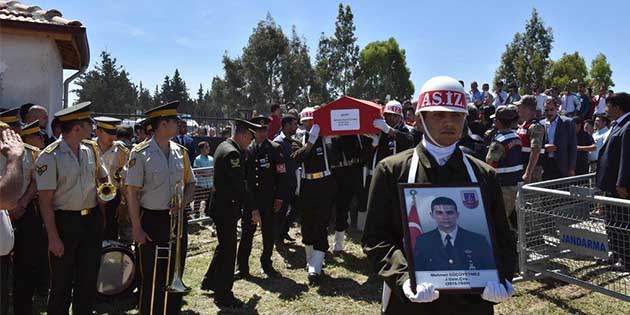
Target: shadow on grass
{"points": [[286, 287], [334, 287], [541, 294], [293, 259], [248, 308]]}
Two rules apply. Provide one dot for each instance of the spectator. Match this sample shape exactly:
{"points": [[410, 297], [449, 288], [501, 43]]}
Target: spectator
{"points": [[585, 145], [226, 132], [488, 99], [204, 159], [124, 133], [600, 102], [475, 94], [561, 143], [275, 124], [599, 137], [56, 129], [513, 96], [585, 101], [500, 96], [610, 93], [468, 97], [540, 100], [185, 140], [570, 104]]}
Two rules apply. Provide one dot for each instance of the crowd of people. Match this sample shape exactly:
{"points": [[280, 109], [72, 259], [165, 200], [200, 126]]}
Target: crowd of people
{"points": [[276, 170]]}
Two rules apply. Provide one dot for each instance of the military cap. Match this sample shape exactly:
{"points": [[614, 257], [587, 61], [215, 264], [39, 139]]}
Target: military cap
{"points": [[528, 101], [244, 124], [507, 113], [261, 120], [10, 117], [168, 110], [77, 112], [30, 129], [107, 124]]}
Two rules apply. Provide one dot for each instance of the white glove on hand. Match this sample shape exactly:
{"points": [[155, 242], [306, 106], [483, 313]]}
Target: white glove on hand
{"points": [[375, 139], [496, 292], [425, 292], [313, 134], [381, 124]]}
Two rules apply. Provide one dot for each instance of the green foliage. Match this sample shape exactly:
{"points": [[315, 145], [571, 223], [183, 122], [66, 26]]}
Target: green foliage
{"points": [[567, 72], [526, 58], [601, 74], [383, 71], [108, 87], [144, 98]]}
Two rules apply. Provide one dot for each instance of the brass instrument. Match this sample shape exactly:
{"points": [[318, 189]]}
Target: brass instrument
{"points": [[176, 285], [106, 191]]}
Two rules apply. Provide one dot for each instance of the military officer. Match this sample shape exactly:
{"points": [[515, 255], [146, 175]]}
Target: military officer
{"points": [[532, 134], [265, 171], [159, 169], [68, 172], [436, 160], [30, 249], [230, 196], [33, 135], [115, 155], [11, 117], [505, 155], [317, 191]]}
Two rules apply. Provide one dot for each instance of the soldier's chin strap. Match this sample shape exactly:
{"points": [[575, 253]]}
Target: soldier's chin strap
{"points": [[425, 131]]}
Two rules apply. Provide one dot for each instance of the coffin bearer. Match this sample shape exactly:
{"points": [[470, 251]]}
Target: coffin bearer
{"points": [[68, 173], [266, 170], [114, 155], [436, 160], [159, 171], [231, 195]]}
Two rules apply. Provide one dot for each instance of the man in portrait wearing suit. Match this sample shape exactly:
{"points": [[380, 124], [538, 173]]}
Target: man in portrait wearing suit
{"points": [[561, 146], [613, 175], [449, 246]]}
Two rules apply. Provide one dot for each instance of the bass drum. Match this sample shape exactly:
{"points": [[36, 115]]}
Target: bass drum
{"points": [[116, 277]]}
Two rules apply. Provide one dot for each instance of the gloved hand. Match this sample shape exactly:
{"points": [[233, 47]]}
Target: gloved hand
{"points": [[425, 292], [381, 124], [313, 134], [496, 292], [374, 138]]}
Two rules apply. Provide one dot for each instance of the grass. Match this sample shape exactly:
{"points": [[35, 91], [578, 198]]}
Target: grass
{"points": [[348, 288]]}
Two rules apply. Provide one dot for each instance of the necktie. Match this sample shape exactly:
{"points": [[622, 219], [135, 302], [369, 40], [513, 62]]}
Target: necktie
{"points": [[450, 250]]}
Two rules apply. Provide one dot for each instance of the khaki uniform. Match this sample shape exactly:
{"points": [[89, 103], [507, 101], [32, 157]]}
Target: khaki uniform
{"points": [[114, 159], [79, 222], [157, 175], [383, 236], [536, 134]]}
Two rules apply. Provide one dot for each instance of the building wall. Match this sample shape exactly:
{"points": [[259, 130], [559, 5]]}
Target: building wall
{"points": [[30, 71]]}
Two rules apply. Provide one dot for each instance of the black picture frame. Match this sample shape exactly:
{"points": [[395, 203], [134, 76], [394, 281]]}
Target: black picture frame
{"points": [[409, 250]]}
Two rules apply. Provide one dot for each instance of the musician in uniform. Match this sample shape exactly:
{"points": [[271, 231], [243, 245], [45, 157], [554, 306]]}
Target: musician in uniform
{"points": [[68, 172], [114, 155], [317, 191], [230, 196], [158, 169], [11, 117], [33, 135], [436, 160], [30, 249]]}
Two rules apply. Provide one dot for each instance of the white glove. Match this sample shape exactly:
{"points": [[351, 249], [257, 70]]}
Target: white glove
{"points": [[328, 140], [313, 134], [425, 292], [496, 292], [381, 124], [375, 139]]}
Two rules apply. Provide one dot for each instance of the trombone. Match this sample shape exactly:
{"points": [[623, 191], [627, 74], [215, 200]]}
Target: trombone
{"points": [[176, 230]]}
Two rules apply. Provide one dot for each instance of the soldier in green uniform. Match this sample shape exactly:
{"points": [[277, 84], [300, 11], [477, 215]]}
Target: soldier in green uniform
{"points": [[265, 170], [230, 196], [68, 172], [532, 134], [436, 160], [158, 169]]}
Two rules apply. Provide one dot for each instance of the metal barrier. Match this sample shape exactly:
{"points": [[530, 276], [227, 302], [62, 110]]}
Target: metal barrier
{"points": [[571, 232], [196, 210]]}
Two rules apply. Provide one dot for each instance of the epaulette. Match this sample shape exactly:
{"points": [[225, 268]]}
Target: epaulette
{"points": [[181, 146], [32, 148], [52, 147], [88, 141], [121, 146], [140, 146]]}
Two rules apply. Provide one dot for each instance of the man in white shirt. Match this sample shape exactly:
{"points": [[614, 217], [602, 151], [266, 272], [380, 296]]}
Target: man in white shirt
{"points": [[600, 101], [599, 136], [540, 99], [570, 104], [500, 96]]}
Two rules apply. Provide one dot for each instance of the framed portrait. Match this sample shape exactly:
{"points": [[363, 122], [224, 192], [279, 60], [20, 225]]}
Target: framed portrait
{"points": [[449, 240]]}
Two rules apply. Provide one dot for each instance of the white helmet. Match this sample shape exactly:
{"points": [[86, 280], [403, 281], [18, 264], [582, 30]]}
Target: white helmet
{"points": [[442, 93], [306, 114], [393, 107]]}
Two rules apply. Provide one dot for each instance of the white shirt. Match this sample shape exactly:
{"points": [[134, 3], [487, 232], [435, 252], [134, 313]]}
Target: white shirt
{"points": [[453, 235], [570, 103], [441, 155], [499, 100], [599, 136], [540, 102], [600, 108]]}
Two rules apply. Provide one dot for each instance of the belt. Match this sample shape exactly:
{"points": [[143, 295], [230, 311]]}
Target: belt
{"points": [[82, 212], [528, 150], [504, 170], [316, 175]]}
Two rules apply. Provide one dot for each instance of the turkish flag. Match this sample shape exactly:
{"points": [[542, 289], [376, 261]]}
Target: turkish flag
{"points": [[413, 221]]}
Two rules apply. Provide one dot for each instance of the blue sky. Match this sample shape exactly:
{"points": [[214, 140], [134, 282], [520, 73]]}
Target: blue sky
{"points": [[463, 39]]}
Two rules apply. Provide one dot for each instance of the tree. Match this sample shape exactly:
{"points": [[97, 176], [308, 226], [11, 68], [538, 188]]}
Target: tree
{"points": [[217, 98], [179, 92], [601, 74], [320, 92], [383, 71], [156, 97], [108, 87], [297, 74], [144, 98], [344, 53], [166, 92], [567, 72], [526, 58], [234, 97]]}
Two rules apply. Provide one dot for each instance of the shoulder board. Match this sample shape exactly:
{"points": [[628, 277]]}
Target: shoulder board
{"points": [[52, 147], [32, 148], [88, 141], [121, 146], [181, 146], [141, 146]]}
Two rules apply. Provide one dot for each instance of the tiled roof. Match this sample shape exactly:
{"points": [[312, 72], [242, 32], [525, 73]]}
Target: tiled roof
{"points": [[16, 11]]}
